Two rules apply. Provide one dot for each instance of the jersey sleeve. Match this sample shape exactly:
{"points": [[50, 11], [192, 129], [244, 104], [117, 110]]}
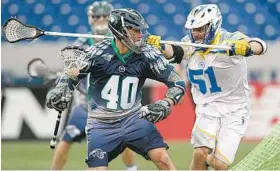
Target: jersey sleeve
{"points": [[158, 68], [238, 36], [81, 42], [188, 50]]}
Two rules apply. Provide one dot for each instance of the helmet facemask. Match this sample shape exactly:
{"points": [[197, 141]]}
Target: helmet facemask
{"points": [[129, 26], [207, 31], [131, 37], [208, 18]]}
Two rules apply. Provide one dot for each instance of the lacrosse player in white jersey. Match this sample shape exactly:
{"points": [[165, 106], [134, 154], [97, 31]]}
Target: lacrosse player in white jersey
{"points": [[219, 85]]}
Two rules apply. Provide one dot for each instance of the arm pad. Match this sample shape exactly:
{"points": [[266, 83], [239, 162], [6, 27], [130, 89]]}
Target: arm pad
{"points": [[263, 44], [177, 92], [178, 54]]}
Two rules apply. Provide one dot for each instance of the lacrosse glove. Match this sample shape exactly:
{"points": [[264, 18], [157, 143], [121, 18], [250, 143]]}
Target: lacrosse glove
{"points": [[154, 40], [239, 47], [155, 112], [60, 96]]}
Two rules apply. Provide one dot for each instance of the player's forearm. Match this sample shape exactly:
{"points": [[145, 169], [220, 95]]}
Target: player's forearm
{"points": [[173, 53], [73, 82], [76, 76], [174, 94], [168, 52], [170, 101], [64, 79], [258, 46], [176, 88]]}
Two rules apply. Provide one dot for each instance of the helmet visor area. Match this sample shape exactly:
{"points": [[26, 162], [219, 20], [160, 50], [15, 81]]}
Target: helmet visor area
{"points": [[200, 34], [135, 38]]}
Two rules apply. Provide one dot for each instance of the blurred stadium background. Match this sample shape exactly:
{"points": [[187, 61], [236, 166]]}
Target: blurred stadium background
{"points": [[27, 125]]}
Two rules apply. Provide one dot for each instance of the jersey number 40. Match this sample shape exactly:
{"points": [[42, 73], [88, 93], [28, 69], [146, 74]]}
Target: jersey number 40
{"points": [[214, 88], [128, 92]]}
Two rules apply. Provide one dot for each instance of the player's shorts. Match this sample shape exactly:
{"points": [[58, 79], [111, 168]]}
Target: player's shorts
{"points": [[107, 140], [220, 127], [75, 127]]}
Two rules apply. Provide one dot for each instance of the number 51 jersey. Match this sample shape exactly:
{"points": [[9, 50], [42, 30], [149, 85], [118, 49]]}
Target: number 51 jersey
{"points": [[217, 77]]}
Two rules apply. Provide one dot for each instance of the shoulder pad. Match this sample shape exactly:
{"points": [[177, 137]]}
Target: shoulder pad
{"points": [[151, 52], [237, 36], [80, 41], [99, 47], [155, 58]]}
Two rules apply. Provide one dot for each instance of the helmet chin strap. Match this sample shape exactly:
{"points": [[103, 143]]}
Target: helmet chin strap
{"points": [[138, 43]]}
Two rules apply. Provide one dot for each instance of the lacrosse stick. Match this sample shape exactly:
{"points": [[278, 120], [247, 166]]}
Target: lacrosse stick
{"points": [[37, 68], [14, 31], [74, 59], [53, 141]]}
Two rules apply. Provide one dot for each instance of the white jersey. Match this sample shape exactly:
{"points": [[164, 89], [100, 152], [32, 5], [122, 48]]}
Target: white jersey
{"points": [[216, 77]]}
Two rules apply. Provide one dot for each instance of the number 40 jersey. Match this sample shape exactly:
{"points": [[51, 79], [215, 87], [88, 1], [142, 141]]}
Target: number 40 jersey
{"points": [[216, 77], [116, 81]]}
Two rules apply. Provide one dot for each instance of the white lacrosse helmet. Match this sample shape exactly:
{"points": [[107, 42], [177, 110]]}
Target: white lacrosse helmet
{"points": [[203, 15]]}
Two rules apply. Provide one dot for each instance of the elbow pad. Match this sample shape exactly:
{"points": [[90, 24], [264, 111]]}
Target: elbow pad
{"points": [[263, 44], [178, 54], [177, 92]]}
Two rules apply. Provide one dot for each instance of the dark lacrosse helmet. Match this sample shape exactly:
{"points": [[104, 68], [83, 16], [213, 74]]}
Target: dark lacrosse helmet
{"points": [[96, 10], [120, 20]]}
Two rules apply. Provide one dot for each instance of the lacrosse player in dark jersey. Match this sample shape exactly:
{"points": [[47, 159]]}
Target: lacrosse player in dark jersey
{"points": [[117, 70], [74, 131]]}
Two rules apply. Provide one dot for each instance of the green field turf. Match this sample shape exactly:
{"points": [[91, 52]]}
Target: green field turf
{"points": [[38, 155]]}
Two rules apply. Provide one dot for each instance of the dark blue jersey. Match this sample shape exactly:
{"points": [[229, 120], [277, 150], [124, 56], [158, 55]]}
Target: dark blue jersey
{"points": [[80, 96], [116, 81]]}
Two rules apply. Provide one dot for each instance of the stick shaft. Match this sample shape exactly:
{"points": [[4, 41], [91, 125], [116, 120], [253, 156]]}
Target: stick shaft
{"points": [[195, 44], [53, 141], [75, 35], [162, 41]]}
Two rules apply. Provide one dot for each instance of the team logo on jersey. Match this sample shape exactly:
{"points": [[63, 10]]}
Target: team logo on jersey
{"points": [[97, 153], [72, 131], [107, 56], [121, 68], [201, 65]]}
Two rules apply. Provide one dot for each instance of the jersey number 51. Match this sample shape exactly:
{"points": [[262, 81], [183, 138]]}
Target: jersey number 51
{"points": [[214, 88]]}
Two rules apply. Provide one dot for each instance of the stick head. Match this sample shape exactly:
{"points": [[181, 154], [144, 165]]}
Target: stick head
{"points": [[74, 59], [14, 31], [36, 68]]}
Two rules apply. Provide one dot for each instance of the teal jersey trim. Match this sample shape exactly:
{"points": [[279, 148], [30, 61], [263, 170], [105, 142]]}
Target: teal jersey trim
{"points": [[116, 50]]}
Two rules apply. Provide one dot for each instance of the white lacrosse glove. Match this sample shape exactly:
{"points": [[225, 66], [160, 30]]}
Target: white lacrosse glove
{"points": [[60, 96], [155, 112]]}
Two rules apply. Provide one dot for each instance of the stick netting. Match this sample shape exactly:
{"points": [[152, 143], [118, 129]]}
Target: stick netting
{"points": [[73, 58], [266, 156], [14, 31]]}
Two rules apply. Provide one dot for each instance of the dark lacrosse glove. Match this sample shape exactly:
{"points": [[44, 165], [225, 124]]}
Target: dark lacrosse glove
{"points": [[155, 112], [60, 96]]}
